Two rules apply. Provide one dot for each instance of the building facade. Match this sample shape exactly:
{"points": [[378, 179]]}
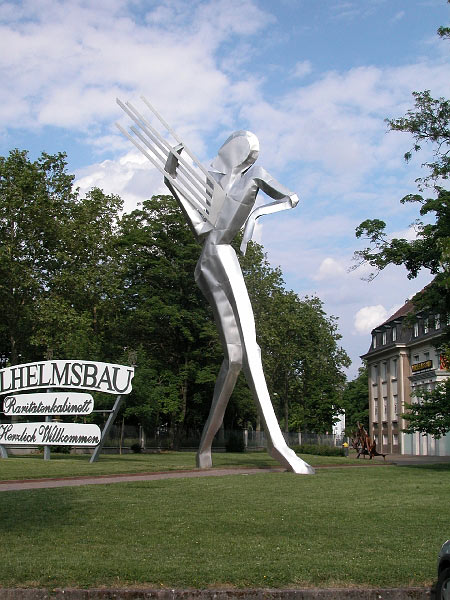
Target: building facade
{"points": [[403, 359]]}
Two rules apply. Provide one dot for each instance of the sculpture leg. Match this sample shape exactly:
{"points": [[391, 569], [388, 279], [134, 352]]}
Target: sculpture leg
{"points": [[237, 294], [223, 389], [229, 371]]}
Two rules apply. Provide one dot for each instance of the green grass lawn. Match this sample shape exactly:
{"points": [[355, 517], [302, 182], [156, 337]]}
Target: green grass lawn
{"points": [[341, 527], [65, 465]]}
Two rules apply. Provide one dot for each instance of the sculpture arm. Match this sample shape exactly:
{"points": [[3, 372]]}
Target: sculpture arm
{"points": [[195, 220], [284, 199]]}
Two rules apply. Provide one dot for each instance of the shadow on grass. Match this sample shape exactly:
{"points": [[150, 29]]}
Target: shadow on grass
{"points": [[428, 467], [29, 512]]}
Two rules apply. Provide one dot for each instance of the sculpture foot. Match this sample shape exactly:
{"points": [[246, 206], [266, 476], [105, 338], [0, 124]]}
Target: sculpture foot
{"points": [[291, 461], [203, 460]]}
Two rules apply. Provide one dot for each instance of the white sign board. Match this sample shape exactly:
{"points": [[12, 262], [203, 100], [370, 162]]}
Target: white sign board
{"points": [[56, 403], [88, 375], [49, 434]]}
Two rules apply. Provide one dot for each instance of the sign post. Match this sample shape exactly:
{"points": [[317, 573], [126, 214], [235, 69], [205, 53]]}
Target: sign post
{"points": [[106, 429]]}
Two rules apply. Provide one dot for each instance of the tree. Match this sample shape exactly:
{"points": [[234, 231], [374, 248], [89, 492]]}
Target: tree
{"points": [[431, 412], [75, 315], [35, 199], [355, 401], [166, 319], [58, 274]]}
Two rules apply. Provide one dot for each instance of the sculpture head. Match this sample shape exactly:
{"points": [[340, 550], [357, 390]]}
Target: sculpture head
{"points": [[238, 153]]}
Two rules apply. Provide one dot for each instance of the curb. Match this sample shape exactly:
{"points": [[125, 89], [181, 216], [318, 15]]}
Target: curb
{"points": [[256, 594]]}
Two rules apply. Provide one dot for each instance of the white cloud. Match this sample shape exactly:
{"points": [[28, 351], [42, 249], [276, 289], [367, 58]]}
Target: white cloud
{"points": [[301, 69], [64, 63], [131, 177], [330, 268], [334, 127], [410, 233], [398, 16], [368, 317]]}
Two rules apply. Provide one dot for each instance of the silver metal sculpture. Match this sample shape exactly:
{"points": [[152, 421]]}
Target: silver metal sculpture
{"points": [[217, 203]]}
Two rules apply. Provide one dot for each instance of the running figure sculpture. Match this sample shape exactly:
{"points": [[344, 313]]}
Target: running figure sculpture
{"points": [[217, 204]]}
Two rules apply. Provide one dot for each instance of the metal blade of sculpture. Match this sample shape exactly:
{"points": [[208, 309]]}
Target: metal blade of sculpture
{"points": [[217, 203]]}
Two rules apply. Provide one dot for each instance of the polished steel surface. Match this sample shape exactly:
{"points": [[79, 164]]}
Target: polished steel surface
{"points": [[217, 203]]}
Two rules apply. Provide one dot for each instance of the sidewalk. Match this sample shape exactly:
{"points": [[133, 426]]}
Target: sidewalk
{"points": [[33, 484]]}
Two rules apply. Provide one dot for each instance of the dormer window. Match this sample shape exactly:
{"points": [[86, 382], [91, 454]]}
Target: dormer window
{"points": [[416, 329], [437, 321], [374, 341], [394, 333], [425, 326], [384, 338]]}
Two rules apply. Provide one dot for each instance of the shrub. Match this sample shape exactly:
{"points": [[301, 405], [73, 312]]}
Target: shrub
{"points": [[319, 450], [60, 449], [235, 443], [136, 448]]}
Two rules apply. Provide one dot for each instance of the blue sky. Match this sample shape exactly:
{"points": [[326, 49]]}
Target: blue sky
{"points": [[313, 79]]}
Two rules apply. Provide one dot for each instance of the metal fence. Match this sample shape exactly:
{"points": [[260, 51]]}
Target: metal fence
{"points": [[129, 438]]}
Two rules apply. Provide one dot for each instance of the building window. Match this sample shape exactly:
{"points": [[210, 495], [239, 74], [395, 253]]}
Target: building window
{"points": [[385, 409], [375, 374], [394, 334], [395, 439], [437, 321], [375, 409], [384, 338], [416, 358], [374, 341], [385, 439], [416, 329], [383, 371], [395, 402], [394, 368], [425, 326]]}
